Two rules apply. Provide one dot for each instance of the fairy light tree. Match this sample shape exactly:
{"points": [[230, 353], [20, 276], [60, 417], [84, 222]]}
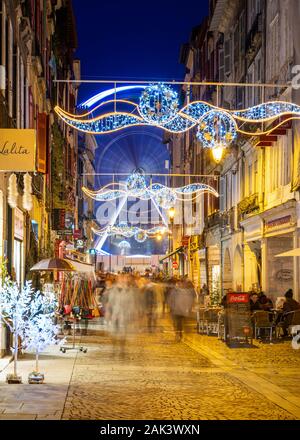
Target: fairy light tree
{"points": [[39, 334], [14, 306], [28, 315]]}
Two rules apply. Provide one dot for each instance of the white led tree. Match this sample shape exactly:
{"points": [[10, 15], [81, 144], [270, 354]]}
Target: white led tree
{"points": [[39, 334], [40, 330], [14, 307]]}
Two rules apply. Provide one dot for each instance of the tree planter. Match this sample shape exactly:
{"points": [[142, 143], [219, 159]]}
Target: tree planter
{"points": [[13, 378], [36, 377]]}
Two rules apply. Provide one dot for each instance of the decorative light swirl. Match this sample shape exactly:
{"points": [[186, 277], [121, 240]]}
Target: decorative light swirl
{"points": [[166, 116], [196, 188], [124, 230], [135, 186]]}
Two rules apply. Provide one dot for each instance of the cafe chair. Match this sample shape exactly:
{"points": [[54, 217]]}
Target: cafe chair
{"points": [[200, 320], [221, 326], [211, 319], [261, 320], [289, 320]]}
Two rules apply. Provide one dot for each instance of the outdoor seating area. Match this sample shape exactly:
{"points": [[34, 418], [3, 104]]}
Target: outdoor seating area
{"points": [[266, 325]]}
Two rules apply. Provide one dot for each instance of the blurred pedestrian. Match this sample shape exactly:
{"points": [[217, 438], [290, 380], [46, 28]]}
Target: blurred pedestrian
{"points": [[181, 300]]}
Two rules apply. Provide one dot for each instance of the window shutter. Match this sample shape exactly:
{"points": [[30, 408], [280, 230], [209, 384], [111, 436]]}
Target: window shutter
{"points": [[221, 65], [227, 57], [42, 141]]}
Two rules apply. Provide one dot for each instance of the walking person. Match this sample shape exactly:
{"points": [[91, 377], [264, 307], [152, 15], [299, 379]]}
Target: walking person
{"points": [[181, 300]]}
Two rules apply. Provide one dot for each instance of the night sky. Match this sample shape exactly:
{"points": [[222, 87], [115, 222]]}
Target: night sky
{"points": [[133, 39]]}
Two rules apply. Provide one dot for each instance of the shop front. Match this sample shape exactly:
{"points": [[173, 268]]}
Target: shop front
{"points": [[280, 235], [213, 265], [18, 247]]}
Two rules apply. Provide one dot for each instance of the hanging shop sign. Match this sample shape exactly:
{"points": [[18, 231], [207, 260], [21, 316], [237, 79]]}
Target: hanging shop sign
{"points": [[17, 149], [185, 240]]}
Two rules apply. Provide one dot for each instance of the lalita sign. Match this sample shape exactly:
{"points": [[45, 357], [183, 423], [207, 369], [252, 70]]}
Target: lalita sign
{"points": [[17, 149]]}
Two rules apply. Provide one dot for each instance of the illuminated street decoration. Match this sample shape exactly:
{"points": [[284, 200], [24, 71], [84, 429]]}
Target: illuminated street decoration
{"points": [[136, 186], [216, 128], [139, 234], [158, 106]]}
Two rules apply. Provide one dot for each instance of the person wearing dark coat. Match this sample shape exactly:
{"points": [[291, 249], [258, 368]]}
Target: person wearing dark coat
{"points": [[290, 305]]}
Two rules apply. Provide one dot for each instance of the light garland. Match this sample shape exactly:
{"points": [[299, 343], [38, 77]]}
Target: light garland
{"points": [[158, 106], [123, 229], [135, 186]]}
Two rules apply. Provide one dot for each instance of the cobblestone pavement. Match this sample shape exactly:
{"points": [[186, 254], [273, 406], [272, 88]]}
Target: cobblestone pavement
{"points": [[157, 378]]}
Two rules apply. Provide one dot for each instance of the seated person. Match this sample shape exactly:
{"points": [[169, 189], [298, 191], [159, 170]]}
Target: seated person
{"points": [[265, 302], [290, 305], [254, 303]]}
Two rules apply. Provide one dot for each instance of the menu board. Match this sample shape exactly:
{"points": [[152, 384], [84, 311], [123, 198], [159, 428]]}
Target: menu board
{"points": [[238, 316]]}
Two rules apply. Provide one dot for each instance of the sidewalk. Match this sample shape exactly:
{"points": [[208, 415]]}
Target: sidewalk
{"points": [[4, 362], [27, 402]]}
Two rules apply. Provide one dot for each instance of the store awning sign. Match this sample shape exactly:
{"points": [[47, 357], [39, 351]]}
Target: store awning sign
{"points": [[17, 149]]}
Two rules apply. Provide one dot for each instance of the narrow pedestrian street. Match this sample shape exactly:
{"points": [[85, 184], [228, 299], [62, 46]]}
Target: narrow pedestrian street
{"points": [[158, 378]]}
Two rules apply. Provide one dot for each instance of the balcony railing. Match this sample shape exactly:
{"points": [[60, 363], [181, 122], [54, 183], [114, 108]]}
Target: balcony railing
{"points": [[248, 206], [213, 220]]}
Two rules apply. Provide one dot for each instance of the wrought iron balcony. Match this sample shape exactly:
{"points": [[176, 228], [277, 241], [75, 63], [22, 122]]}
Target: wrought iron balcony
{"points": [[248, 206], [213, 220]]}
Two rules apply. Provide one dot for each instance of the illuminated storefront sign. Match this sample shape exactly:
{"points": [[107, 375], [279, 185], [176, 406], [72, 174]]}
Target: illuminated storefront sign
{"points": [[17, 149]]}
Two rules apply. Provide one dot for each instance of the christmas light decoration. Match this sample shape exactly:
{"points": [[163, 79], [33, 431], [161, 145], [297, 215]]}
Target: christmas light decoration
{"points": [[139, 234], [136, 186], [158, 104], [27, 196], [12, 197], [40, 330], [216, 127], [14, 312]]}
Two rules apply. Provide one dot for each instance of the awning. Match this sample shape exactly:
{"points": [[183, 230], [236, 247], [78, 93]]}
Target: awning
{"points": [[79, 266], [172, 253], [293, 253]]}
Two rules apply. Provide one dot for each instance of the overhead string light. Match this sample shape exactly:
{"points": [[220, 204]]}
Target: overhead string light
{"points": [[126, 231], [159, 106], [162, 195]]}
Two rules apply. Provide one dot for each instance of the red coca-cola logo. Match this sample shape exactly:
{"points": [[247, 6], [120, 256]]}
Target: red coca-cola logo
{"points": [[234, 298]]}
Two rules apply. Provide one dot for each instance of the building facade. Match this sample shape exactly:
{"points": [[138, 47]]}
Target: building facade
{"points": [[257, 214], [36, 50]]}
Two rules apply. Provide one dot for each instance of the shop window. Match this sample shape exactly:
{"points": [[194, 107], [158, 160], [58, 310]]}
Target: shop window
{"points": [[18, 261]]}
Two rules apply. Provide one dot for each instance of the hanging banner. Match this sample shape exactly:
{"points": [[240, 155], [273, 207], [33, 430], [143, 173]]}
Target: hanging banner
{"points": [[17, 149]]}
